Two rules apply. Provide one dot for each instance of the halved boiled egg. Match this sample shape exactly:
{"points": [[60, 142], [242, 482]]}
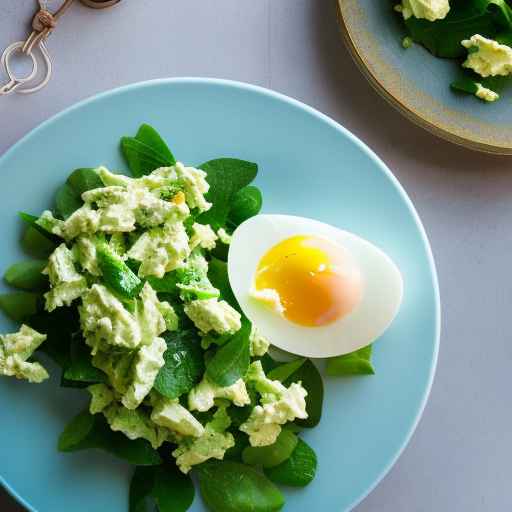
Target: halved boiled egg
{"points": [[311, 288]]}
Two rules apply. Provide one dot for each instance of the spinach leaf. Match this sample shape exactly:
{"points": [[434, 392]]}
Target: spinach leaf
{"points": [[31, 220], [76, 432], [241, 442], [67, 201], [218, 276], [117, 275], [246, 203], [184, 364], [171, 490], [464, 20], [84, 179], [166, 284], [141, 158], [298, 470], [35, 244], [86, 431], [18, 306], [226, 176], [59, 326], [285, 371], [268, 363], [311, 380], [231, 361], [231, 487], [26, 275], [355, 363], [273, 455], [80, 368], [148, 135]]}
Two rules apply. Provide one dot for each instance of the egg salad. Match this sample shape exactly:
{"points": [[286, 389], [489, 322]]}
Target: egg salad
{"points": [[152, 291], [476, 34]]}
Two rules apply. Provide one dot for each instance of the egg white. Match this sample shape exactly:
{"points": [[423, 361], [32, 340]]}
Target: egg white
{"points": [[382, 287]]}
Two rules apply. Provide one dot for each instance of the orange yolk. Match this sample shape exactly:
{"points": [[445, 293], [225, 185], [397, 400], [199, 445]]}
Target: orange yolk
{"points": [[317, 281]]}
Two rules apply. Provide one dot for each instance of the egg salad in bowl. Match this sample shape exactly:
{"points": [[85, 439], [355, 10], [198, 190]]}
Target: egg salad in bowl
{"points": [[161, 294]]}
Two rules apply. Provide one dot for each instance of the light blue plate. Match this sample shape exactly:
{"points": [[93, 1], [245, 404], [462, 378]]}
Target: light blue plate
{"points": [[418, 84], [309, 166]]}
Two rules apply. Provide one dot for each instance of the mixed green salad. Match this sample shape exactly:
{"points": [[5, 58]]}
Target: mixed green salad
{"points": [[475, 33], [129, 295]]}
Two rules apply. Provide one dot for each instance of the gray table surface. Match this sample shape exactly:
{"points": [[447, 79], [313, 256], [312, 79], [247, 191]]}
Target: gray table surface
{"points": [[459, 458]]}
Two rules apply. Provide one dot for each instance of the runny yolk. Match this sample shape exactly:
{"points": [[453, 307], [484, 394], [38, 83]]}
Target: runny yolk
{"points": [[317, 281]]}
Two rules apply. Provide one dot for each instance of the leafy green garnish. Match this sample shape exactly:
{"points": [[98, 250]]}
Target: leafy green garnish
{"points": [[59, 327], [285, 371], [149, 136], [298, 470], [246, 203], [231, 487], [226, 176], [184, 364], [141, 158], [311, 380], [355, 363], [465, 19], [31, 220], [84, 179], [35, 244], [218, 276], [18, 306], [171, 490], [86, 431], [67, 201], [117, 275], [26, 275], [80, 368], [273, 455], [231, 361]]}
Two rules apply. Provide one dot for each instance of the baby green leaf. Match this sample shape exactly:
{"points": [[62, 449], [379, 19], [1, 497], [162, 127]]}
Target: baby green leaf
{"points": [[273, 455], [59, 325], [31, 220], [86, 431], [171, 490], [246, 203], [148, 135], [241, 442], [226, 176], [184, 364], [35, 244], [20, 305], [465, 19], [76, 432], [166, 284], [231, 361], [232, 487], [117, 275], [26, 275], [218, 276], [298, 470], [80, 368], [141, 158], [285, 371], [355, 363], [84, 179], [311, 380], [67, 201]]}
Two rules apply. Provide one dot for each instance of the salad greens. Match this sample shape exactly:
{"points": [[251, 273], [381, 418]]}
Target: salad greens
{"points": [[475, 33], [130, 297]]}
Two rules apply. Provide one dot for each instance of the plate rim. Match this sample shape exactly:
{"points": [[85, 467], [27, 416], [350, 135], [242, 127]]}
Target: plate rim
{"points": [[354, 139], [399, 105]]}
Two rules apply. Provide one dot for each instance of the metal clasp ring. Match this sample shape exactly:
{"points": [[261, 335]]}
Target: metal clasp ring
{"points": [[14, 81]]}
